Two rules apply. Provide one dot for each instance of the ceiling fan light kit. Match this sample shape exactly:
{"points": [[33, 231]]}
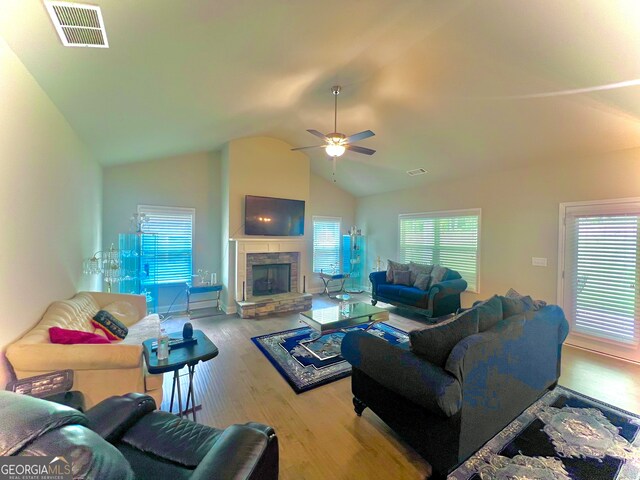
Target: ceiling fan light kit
{"points": [[337, 143]]}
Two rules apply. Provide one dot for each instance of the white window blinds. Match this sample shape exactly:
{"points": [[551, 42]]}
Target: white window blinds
{"points": [[172, 242], [449, 239], [326, 243], [601, 270]]}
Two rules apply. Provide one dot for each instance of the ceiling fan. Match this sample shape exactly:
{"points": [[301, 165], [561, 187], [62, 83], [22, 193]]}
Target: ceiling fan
{"points": [[336, 143]]}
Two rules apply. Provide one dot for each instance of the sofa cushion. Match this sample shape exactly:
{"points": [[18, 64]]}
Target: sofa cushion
{"points": [[489, 313], [146, 328], [392, 267], [438, 274], [114, 328], [413, 296], [423, 280], [402, 277], [513, 306], [418, 268], [435, 343], [123, 311], [72, 337]]}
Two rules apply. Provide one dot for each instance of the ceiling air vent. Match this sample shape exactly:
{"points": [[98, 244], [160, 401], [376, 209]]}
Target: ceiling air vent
{"points": [[416, 171], [78, 25]]}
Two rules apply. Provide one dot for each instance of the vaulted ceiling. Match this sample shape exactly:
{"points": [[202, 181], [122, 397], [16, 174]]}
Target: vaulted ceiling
{"points": [[456, 87]]}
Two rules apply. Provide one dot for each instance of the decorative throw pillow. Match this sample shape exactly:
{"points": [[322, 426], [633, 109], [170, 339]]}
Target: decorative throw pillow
{"points": [[402, 277], [114, 328], [514, 306], [395, 266], [434, 344], [416, 268], [422, 281], [438, 273], [537, 304], [489, 313], [123, 311], [72, 337]]}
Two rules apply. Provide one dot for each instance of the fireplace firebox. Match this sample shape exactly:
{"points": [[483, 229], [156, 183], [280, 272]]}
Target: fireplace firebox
{"points": [[271, 279]]}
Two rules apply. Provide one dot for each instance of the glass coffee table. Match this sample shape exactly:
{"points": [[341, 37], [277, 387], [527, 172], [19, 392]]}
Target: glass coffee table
{"points": [[326, 321]]}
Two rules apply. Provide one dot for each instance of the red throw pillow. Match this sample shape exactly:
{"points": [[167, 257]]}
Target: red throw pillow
{"points": [[70, 337]]}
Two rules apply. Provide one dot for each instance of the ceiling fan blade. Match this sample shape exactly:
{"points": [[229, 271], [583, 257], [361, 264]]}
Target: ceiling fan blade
{"points": [[360, 136], [317, 133], [305, 148], [357, 149]]}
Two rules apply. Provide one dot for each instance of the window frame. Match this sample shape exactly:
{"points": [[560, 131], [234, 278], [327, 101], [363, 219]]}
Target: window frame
{"points": [[338, 220], [579, 339], [168, 210], [449, 214]]}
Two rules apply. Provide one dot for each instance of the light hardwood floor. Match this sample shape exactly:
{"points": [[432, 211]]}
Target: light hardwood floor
{"points": [[320, 435]]}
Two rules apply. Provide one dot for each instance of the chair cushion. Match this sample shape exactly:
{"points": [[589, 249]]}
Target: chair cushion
{"points": [[172, 438], [435, 343], [394, 266], [114, 328], [489, 313]]}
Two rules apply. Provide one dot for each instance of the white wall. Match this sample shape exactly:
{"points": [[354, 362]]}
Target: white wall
{"points": [[326, 199], [181, 181], [519, 215], [50, 203]]}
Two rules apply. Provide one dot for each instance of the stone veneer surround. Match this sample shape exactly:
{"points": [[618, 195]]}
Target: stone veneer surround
{"points": [[296, 300], [290, 258]]}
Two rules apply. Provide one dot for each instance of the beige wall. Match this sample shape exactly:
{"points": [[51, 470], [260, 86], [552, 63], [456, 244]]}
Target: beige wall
{"points": [[326, 199], [181, 181], [519, 215], [50, 194], [261, 166]]}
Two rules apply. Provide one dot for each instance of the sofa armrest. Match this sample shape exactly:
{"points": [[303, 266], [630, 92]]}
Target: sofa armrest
{"points": [[241, 453], [403, 372], [47, 357], [112, 417], [377, 278], [103, 299], [449, 287]]}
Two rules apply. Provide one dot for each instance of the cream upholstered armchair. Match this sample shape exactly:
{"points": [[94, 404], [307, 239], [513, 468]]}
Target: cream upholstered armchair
{"points": [[100, 370]]}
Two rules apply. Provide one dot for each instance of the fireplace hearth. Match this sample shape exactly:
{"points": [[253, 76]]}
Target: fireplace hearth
{"points": [[271, 279]]}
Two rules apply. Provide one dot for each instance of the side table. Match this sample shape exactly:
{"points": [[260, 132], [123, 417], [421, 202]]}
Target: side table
{"points": [[201, 351], [328, 277], [202, 304]]}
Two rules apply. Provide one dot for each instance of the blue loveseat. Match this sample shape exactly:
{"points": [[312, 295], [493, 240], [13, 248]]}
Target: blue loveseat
{"points": [[439, 299]]}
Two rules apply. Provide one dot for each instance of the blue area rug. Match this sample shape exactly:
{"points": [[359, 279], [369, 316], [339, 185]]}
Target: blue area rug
{"points": [[301, 369], [562, 436]]}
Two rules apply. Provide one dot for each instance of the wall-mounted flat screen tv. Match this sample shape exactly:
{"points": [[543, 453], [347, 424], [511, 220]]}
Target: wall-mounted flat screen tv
{"points": [[273, 216]]}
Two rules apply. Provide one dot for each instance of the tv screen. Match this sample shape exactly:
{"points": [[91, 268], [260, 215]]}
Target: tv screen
{"points": [[273, 216]]}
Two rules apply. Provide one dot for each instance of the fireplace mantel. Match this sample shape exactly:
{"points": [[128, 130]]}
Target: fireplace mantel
{"points": [[242, 246]]}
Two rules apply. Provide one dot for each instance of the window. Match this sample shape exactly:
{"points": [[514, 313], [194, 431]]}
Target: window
{"points": [[326, 243], [599, 273], [449, 239], [171, 229]]}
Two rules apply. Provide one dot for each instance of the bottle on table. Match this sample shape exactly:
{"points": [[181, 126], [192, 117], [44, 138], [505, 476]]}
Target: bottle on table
{"points": [[163, 345]]}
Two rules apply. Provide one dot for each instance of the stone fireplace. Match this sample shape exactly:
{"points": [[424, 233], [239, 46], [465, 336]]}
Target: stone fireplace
{"points": [[269, 276], [271, 273]]}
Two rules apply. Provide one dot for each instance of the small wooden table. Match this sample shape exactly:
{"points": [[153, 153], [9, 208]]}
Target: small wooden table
{"points": [[179, 357]]}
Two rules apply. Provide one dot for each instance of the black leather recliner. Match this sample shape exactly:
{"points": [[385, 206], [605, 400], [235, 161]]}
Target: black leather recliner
{"points": [[127, 438]]}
